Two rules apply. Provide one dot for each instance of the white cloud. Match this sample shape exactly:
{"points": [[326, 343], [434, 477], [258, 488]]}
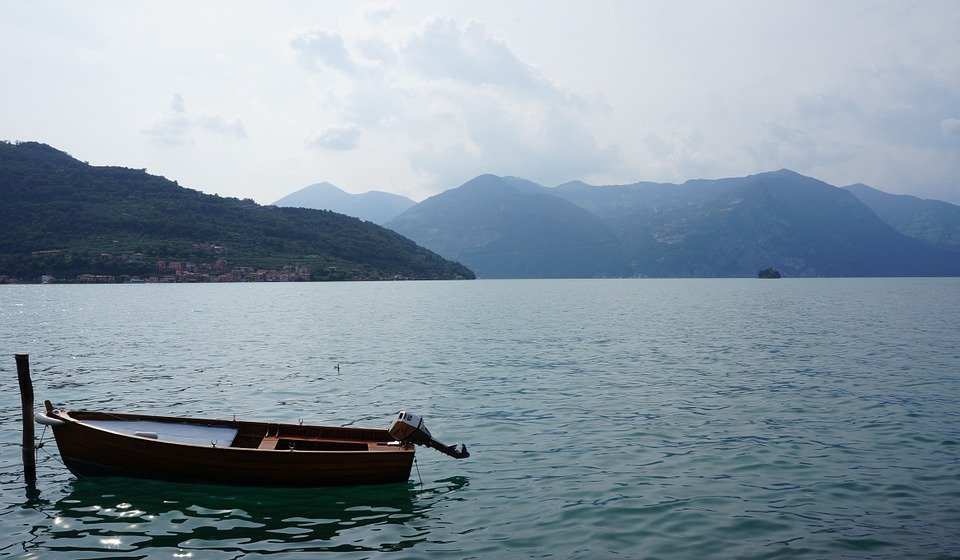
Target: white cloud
{"points": [[950, 128], [222, 125], [375, 49], [337, 138], [176, 105], [376, 13], [614, 92], [450, 163], [174, 125], [442, 48], [456, 98], [681, 154], [320, 47], [170, 128]]}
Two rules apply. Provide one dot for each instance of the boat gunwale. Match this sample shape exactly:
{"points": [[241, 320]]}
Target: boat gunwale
{"points": [[389, 445]]}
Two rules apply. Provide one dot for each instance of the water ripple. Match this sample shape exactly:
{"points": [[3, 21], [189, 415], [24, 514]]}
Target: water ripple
{"points": [[630, 419]]}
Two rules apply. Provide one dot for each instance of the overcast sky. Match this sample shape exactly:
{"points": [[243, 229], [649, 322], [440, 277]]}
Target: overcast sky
{"points": [[259, 99]]}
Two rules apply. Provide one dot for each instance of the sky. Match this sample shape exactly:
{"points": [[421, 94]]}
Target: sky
{"points": [[260, 99]]}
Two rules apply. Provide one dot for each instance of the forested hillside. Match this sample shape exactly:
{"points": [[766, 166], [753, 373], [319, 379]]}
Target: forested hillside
{"points": [[64, 218]]}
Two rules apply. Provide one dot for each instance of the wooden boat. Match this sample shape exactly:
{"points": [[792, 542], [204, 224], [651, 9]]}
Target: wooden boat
{"points": [[236, 452]]}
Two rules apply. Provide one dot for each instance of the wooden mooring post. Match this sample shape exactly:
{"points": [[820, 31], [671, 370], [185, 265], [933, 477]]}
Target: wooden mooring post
{"points": [[26, 401]]}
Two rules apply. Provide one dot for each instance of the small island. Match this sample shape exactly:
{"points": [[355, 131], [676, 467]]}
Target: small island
{"points": [[769, 273]]}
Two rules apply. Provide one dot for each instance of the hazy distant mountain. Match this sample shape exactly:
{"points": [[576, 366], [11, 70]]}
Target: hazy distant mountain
{"points": [[703, 228], [374, 206], [933, 221], [796, 224], [624, 207], [512, 228]]}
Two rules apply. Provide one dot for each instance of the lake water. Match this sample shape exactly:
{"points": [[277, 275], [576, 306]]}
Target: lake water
{"points": [[809, 418]]}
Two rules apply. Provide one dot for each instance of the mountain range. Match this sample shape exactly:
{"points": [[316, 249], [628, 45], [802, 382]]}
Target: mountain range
{"points": [[508, 227], [933, 221], [374, 206], [66, 218], [63, 216]]}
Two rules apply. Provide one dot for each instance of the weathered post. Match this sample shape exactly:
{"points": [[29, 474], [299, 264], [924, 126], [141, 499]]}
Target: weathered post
{"points": [[26, 401]]}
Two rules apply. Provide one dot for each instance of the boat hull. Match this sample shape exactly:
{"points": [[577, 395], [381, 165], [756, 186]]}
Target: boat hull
{"points": [[304, 456]]}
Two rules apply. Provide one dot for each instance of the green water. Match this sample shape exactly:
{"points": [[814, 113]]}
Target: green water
{"points": [[606, 419]]}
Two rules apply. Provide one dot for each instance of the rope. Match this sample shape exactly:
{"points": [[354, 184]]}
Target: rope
{"points": [[418, 470], [40, 446], [55, 457]]}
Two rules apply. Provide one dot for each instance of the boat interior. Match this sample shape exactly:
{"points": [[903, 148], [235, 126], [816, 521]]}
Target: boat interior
{"points": [[244, 435]]}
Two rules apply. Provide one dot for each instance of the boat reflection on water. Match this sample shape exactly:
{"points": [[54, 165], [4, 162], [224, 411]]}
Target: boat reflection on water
{"points": [[133, 517]]}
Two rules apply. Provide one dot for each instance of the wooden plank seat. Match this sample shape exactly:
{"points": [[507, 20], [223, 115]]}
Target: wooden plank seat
{"points": [[269, 442], [286, 443]]}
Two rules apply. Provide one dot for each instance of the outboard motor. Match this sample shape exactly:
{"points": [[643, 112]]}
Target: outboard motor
{"points": [[409, 428]]}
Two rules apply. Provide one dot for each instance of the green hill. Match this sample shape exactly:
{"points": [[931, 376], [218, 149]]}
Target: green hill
{"points": [[64, 218]]}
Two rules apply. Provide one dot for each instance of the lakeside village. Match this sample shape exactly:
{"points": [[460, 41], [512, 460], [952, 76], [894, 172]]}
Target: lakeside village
{"points": [[176, 272]]}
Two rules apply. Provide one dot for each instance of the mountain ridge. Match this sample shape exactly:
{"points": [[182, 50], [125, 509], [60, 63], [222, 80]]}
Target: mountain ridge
{"points": [[701, 228], [511, 230], [67, 215], [373, 206], [933, 221], [67, 218]]}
